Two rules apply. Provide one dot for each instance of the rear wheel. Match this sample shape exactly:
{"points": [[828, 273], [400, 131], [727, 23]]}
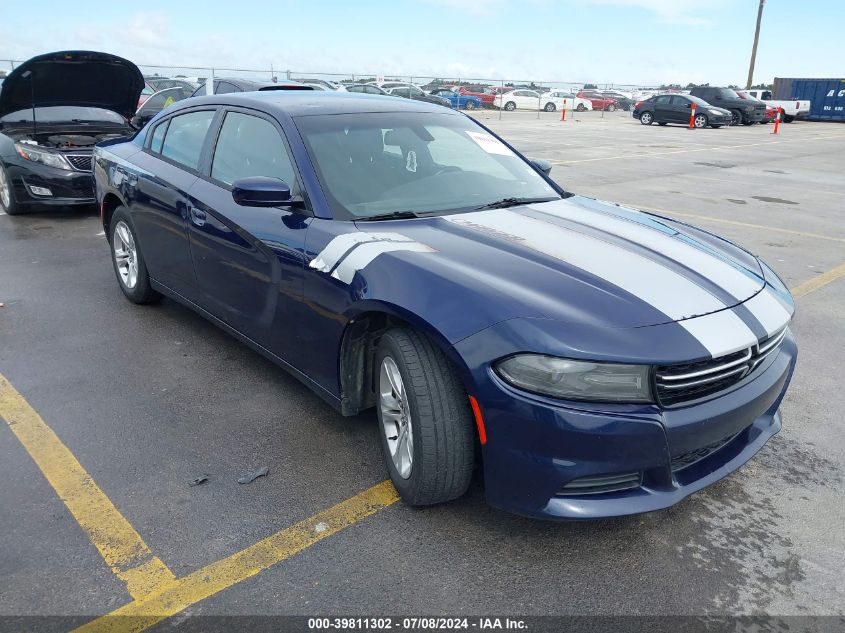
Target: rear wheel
{"points": [[470, 105], [129, 265], [788, 118], [510, 106], [425, 420], [8, 204], [646, 118], [611, 108], [581, 107], [550, 107]]}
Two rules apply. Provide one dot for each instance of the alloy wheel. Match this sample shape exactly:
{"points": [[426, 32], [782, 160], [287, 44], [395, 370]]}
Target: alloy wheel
{"points": [[125, 255], [396, 417], [700, 121], [5, 191]]}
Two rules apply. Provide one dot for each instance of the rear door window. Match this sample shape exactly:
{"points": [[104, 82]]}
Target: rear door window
{"points": [[185, 137]]}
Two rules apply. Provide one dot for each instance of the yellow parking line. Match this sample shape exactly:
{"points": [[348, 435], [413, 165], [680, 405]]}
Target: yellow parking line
{"points": [[706, 218], [119, 544], [802, 290], [180, 594]]}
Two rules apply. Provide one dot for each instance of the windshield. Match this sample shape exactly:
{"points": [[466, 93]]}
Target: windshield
{"points": [[375, 163], [64, 114], [699, 101], [728, 93]]}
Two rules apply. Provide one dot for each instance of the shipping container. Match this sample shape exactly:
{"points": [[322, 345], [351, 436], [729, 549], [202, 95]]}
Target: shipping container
{"points": [[826, 96]]}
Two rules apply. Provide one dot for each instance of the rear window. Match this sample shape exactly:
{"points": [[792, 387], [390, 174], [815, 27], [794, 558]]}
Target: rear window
{"points": [[185, 137]]}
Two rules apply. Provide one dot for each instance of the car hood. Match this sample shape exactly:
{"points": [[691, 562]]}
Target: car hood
{"points": [[73, 78], [577, 260]]}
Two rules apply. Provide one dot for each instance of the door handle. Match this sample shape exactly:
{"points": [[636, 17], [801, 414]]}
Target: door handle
{"points": [[198, 217]]}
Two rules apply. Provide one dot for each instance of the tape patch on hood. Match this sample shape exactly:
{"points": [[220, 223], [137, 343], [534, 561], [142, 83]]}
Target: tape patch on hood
{"points": [[346, 254]]}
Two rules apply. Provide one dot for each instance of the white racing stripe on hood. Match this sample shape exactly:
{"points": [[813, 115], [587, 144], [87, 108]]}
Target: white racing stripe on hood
{"points": [[340, 245], [737, 283], [666, 290], [769, 311], [720, 333]]}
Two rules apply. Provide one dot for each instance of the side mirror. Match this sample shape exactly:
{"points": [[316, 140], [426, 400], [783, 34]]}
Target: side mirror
{"points": [[542, 164], [260, 191]]}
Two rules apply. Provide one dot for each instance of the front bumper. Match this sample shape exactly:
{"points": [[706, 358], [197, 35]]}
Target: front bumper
{"points": [[537, 446], [68, 187]]}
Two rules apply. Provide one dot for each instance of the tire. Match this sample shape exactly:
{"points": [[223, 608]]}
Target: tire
{"points": [[736, 117], [550, 107], [581, 107], [8, 204], [469, 105], [435, 414], [611, 108], [748, 122], [646, 118], [125, 251], [700, 121], [510, 106], [788, 118]]}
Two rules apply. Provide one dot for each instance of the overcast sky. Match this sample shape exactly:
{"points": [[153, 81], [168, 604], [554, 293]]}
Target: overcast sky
{"points": [[622, 41]]}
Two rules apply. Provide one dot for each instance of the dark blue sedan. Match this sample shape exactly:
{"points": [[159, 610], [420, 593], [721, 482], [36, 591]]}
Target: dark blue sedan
{"points": [[395, 255]]}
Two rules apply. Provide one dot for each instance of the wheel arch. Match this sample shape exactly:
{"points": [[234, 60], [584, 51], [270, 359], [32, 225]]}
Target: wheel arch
{"points": [[111, 201], [368, 321]]}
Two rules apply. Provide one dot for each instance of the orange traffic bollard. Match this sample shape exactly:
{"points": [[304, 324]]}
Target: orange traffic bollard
{"points": [[777, 120], [563, 111], [692, 117]]}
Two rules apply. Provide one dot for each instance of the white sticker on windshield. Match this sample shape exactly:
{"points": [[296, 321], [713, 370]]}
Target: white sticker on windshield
{"points": [[411, 162], [490, 144]]}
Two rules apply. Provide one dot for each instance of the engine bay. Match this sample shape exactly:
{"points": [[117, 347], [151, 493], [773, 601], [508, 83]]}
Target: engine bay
{"points": [[66, 141]]}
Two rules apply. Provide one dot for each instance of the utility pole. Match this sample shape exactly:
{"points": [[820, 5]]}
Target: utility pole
{"points": [[750, 81]]}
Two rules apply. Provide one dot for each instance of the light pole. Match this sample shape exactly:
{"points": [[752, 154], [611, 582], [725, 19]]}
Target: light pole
{"points": [[750, 81]]}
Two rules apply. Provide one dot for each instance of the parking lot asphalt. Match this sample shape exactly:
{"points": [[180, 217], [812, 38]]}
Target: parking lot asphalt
{"points": [[149, 398]]}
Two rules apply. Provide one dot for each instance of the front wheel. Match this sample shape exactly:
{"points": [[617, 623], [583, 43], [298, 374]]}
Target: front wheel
{"points": [[510, 106], [736, 117], [470, 105], [425, 419], [550, 107], [611, 108], [129, 265], [581, 107], [8, 204], [700, 121], [646, 118]]}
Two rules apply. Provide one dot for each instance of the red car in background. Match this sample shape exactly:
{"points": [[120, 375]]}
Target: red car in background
{"points": [[599, 101], [485, 93]]}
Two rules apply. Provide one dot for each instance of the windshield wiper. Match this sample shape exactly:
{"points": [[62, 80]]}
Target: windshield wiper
{"points": [[511, 202], [393, 215]]}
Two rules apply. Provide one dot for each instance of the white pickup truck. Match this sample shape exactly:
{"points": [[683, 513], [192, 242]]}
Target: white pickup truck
{"points": [[791, 109]]}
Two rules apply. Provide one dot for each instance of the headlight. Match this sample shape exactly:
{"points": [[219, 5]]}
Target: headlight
{"points": [[575, 379], [36, 155], [716, 112]]}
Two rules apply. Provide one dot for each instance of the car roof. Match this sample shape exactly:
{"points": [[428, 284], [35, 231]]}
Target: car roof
{"points": [[313, 102]]}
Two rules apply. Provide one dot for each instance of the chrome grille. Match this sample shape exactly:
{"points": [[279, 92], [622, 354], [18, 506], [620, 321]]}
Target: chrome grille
{"points": [[676, 384], [80, 162]]}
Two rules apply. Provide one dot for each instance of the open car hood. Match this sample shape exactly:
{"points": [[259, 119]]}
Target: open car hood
{"points": [[73, 78]]}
